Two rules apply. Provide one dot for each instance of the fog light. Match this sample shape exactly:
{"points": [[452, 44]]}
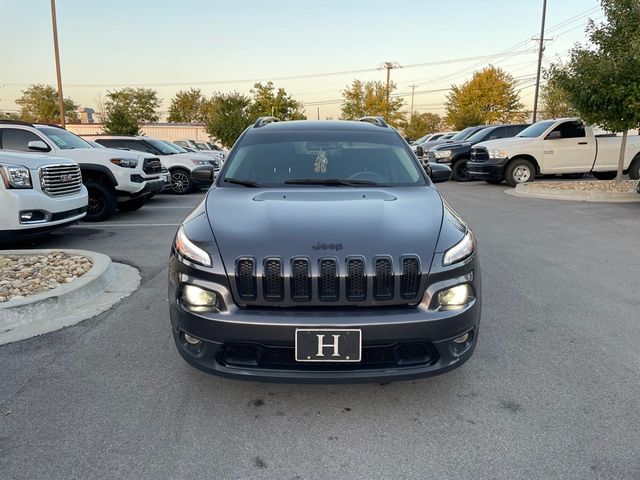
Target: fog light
{"points": [[457, 296], [461, 339], [191, 340], [200, 298], [26, 216]]}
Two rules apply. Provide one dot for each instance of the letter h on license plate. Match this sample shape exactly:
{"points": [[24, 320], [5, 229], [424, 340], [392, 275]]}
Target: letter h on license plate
{"points": [[325, 345]]}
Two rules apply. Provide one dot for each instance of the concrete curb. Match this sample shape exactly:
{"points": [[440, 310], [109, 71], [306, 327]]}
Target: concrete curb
{"points": [[527, 191], [93, 293]]}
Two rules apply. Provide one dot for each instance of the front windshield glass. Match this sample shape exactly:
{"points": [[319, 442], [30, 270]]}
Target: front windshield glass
{"points": [[177, 147], [201, 146], [480, 135], [463, 134], [162, 147], [340, 158], [423, 139], [64, 139], [536, 129]]}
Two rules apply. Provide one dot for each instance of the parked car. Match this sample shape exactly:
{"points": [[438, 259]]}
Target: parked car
{"points": [[200, 147], [115, 179], [307, 221], [180, 164], [429, 138], [457, 155], [563, 146], [38, 194], [461, 136]]}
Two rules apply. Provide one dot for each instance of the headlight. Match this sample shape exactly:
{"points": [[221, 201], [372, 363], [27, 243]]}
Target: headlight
{"points": [[461, 250], [200, 162], [125, 162], [191, 251], [16, 177], [200, 299], [442, 153], [455, 297], [497, 153]]}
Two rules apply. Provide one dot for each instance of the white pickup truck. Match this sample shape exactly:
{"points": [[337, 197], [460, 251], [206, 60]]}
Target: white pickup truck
{"points": [[38, 194], [115, 179], [563, 146]]}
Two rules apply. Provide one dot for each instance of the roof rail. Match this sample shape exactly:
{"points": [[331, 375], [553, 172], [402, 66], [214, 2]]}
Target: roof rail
{"points": [[262, 121], [16, 122], [379, 121]]}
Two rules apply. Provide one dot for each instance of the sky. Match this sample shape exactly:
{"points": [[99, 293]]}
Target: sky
{"points": [[226, 46]]}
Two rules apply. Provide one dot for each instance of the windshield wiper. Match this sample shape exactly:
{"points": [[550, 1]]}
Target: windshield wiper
{"points": [[244, 183], [332, 181]]}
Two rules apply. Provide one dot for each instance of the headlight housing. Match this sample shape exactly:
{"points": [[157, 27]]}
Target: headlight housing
{"points": [[461, 250], [455, 297], [16, 176], [497, 153], [199, 299], [125, 162], [189, 250], [442, 154], [200, 162]]}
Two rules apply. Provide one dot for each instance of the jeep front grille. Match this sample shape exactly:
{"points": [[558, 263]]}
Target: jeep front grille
{"points": [[58, 180], [329, 281]]}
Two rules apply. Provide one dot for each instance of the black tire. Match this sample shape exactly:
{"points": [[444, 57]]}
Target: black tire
{"points": [[605, 175], [181, 181], [131, 205], [460, 172], [634, 168], [493, 181], [102, 201], [518, 171]]}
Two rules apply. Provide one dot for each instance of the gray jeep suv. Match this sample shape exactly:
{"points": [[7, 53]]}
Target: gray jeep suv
{"points": [[323, 253]]}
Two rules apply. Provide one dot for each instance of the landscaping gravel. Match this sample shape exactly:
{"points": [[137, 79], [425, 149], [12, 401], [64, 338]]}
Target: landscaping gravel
{"points": [[624, 186], [23, 275]]}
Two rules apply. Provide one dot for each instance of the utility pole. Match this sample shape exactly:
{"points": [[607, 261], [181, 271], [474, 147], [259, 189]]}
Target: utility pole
{"points": [[413, 91], [318, 113], [540, 50], [56, 52], [389, 66]]}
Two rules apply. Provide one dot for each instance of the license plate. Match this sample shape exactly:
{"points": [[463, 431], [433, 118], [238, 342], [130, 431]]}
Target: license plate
{"points": [[324, 345]]}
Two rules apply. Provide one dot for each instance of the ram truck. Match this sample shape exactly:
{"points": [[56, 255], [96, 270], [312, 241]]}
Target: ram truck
{"points": [[551, 147]]}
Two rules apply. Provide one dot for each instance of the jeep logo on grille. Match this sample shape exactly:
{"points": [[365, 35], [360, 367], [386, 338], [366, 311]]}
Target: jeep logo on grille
{"points": [[327, 246]]}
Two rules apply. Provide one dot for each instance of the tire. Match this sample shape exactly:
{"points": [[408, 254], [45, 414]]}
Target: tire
{"points": [[519, 171], [181, 181], [131, 205], [634, 168], [605, 175], [493, 181], [572, 176], [460, 172], [102, 201]]}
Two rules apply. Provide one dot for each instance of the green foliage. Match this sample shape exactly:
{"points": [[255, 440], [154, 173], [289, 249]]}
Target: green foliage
{"points": [[39, 103], [554, 101], [420, 124], [227, 116], [187, 106], [601, 79], [267, 101], [120, 121], [139, 103], [489, 97], [361, 99], [9, 116]]}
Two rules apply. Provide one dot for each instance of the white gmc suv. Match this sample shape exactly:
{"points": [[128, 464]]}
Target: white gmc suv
{"points": [[115, 179], [38, 193]]}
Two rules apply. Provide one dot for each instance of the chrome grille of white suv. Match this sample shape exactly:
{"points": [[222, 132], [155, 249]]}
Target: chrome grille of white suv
{"points": [[58, 180]]}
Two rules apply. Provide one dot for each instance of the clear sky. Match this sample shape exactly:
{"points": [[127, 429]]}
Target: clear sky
{"points": [[228, 45]]}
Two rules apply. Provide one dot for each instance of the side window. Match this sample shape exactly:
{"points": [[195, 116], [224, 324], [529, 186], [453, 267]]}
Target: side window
{"points": [[499, 132], [571, 129], [139, 146], [109, 142], [514, 130], [17, 139]]}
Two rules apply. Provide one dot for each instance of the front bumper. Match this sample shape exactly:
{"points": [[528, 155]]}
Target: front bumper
{"points": [[150, 187], [269, 333], [488, 170]]}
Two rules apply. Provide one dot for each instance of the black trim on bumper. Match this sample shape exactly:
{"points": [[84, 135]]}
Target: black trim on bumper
{"points": [[486, 170]]}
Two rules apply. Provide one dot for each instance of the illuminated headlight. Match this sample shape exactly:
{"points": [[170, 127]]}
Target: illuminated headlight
{"points": [[200, 162], [497, 153], [457, 296], [442, 154], [461, 250], [191, 251], [200, 299], [16, 177], [125, 162]]}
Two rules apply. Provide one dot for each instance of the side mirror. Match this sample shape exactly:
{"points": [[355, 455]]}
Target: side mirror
{"points": [[38, 146], [438, 173], [554, 136], [203, 176], [419, 151]]}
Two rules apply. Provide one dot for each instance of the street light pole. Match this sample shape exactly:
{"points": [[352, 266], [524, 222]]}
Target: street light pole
{"points": [[540, 49], [57, 56]]}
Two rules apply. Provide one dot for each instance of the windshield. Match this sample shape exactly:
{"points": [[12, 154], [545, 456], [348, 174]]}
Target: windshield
{"points": [[202, 146], [322, 157], [423, 139], [64, 139], [175, 146], [464, 134], [480, 135], [162, 147], [536, 129]]}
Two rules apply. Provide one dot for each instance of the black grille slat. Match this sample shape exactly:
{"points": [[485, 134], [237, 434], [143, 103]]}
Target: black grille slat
{"points": [[300, 280], [328, 286], [272, 280], [383, 280], [356, 280], [410, 278], [246, 279]]}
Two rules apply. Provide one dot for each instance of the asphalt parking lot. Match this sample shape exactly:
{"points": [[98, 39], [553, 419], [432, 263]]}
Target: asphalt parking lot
{"points": [[552, 391]]}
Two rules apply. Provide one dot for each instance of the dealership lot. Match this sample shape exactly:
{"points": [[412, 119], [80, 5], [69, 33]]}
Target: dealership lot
{"points": [[552, 391]]}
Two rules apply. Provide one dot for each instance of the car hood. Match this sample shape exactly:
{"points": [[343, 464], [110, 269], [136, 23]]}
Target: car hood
{"points": [[506, 142], [86, 155], [447, 146], [32, 161], [428, 145], [321, 222]]}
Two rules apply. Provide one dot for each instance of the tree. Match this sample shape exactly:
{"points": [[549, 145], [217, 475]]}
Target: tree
{"points": [[420, 124], [267, 101], [120, 121], [554, 101], [39, 103], [601, 79], [140, 104], [362, 99], [228, 116], [489, 97], [187, 106]]}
